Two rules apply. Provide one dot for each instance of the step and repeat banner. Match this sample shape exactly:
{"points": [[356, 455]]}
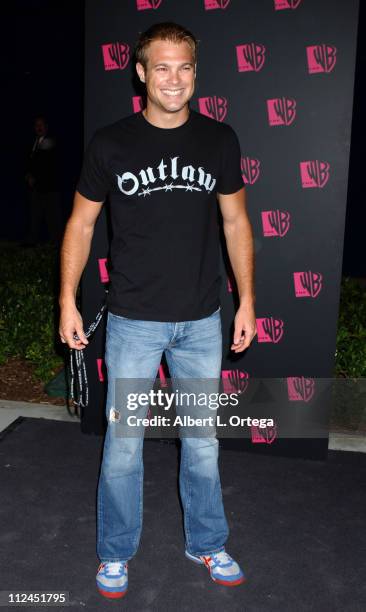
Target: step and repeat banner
{"points": [[281, 73]]}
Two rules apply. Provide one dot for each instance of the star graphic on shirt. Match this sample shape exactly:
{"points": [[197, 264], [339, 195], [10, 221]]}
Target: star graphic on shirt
{"points": [[146, 191], [189, 187], [168, 187]]}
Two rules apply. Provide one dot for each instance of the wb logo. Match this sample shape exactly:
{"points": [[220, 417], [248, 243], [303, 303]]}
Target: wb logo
{"points": [[270, 329], [300, 388], [234, 381], [250, 169], [250, 57], [321, 58], [307, 284], [275, 222], [280, 5], [216, 4], [214, 107], [145, 5], [116, 56], [281, 111], [314, 173]]}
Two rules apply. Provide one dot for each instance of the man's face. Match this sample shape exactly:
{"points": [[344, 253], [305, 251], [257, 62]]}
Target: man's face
{"points": [[40, 127], [169, 75]]}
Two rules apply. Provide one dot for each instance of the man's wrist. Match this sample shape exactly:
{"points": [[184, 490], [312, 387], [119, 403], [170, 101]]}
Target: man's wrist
{"points": [[247, 300], [67, 300]]}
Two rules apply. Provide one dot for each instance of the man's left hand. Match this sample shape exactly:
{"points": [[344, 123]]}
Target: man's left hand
{"points": [[245, 328]]}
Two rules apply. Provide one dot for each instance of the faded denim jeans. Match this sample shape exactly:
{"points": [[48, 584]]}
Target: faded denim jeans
{"points": [[134, 348]]}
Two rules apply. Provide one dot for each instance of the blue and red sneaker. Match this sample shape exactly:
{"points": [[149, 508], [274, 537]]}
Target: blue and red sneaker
{"points": [[112, 579], [223, 569]]}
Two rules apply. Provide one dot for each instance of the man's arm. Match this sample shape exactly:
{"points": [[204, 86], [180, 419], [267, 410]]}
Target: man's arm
{"points": [[240, 246], [74, 255]]}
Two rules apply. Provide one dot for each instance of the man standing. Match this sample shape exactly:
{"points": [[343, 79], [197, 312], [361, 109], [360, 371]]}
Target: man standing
{"points": [[43, 182], [164, 169]]}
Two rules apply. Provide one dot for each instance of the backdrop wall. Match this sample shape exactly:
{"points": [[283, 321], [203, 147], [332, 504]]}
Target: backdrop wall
{"points": [[281, 72]]}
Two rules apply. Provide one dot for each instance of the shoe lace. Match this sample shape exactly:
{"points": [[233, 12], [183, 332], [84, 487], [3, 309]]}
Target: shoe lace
{"points": [[114, 568], [222, 557]]}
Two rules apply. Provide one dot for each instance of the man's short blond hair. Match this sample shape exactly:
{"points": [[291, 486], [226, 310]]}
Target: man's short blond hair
{"points": [[164, 31]]}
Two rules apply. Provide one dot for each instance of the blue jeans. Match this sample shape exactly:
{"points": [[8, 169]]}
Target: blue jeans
{"points": [[134, 348]]}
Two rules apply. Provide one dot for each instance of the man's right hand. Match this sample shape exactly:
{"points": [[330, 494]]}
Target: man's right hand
{"points": [[71, 323]]}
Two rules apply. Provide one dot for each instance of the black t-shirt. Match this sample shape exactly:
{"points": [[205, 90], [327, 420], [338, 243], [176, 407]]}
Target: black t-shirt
{"points": [[162, 187]]}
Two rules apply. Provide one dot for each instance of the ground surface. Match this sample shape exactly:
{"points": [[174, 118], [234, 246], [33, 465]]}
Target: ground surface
{"points": [[17, 383]]}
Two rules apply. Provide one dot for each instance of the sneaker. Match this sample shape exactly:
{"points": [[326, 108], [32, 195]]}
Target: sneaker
{"points": [[223, 569], [112, 579]]}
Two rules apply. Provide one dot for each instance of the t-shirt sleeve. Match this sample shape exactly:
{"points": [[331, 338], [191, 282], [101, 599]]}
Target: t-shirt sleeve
{"points": [[93, 181], [230, 179]]}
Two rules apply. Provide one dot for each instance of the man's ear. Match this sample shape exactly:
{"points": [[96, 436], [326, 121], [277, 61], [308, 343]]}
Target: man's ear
{"points": [[140, 71]]}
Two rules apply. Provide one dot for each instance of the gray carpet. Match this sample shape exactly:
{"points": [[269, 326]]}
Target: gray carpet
{"points": [[297, 527]]}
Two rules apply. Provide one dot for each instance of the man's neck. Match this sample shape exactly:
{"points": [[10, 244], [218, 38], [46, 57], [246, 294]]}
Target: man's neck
{"points": [[166, 120]]}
